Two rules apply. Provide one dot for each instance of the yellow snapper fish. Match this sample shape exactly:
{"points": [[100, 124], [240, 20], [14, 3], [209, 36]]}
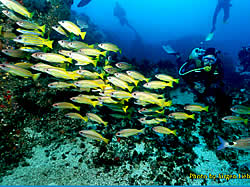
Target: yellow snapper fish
{"points": [[33, 40], [96, 118], [164, 130], [61, 85], [30, 49], [15, 70], [84, 100], [107, 100], [196, 108], [89, 75], [43, 67], [157, 110], [117, 107], [168, 78], [121, 95], [14, 53], [52, 57], [120, 83], [64, 52], [126, 78], [82, 59], [17, 7], [31, 32], [148, 98], [64, 44], [123, 65], [30, 25], [60, 30], [181, 116], [93, 135], [92, 52], [111, 70], [58, 73], [235, 119], [11, 15], [129, 132], [80, 45], [76, 116], [157, 85], [24, 65], [109, 47], [152, 121], [241, 109], [65, 105], [138, 76], [73, 28], [89, 96], [88, 84]]}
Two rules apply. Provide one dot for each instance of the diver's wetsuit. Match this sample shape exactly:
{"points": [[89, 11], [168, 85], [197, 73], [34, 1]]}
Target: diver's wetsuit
{"points": [[222, 4], [211, 81], [244, 56]]}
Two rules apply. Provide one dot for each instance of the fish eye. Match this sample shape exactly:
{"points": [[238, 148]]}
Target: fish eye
{"points": [[56, 26], [118, 133], [231, 143], [19, 37]]}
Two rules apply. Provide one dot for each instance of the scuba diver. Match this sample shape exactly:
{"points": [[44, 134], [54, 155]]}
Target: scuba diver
{"points": [[244, 57], [120, 13], [83, 3], [203, 72], [222, 4]]}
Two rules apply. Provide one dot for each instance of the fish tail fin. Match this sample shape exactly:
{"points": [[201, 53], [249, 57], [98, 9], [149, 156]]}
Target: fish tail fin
{"points": [[125, 109], [83, 34], [36, 76], [164, 120], [136, 82], [130, 88], [168, 103], [104, 53], [176, 81], [120, 51], [147, 79], [106, 140], [106, 62], [206, 108], [49, 44], [42, 28], [142, 131], [192, 116], [223, 144], [161, 112], [94, 103], [95, 63], [31, 15], [92, 46], [174, 132], [245, 121], [77, 108], [85, 118], [170, 84], [102, 74], [73, 85], [69, 60], [105, 123]]}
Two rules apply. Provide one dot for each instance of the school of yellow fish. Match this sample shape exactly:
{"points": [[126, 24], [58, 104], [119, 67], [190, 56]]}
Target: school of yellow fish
{"points": [[100, 81]]}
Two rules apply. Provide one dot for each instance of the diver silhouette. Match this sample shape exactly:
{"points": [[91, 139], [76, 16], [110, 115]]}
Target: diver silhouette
{"points": [[120, 13], [222, 4], [83, 3]]}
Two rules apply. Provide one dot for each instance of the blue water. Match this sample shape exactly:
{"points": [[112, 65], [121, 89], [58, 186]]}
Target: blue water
{"points": [[159, 21]]}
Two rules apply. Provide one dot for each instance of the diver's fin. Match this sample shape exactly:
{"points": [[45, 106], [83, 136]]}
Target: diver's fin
{"points": [[169, 50], [209, 36]]}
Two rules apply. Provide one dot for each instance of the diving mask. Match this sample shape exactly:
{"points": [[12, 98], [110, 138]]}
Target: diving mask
{"points": [[209, 60]]}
